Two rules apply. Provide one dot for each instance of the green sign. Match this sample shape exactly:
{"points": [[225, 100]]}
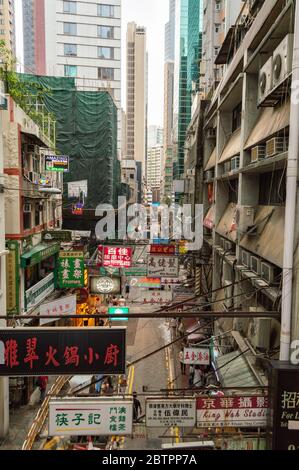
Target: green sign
{"points": [[109, 271], [38, 254], [134, 272], [57, 235], [118, 311], [71, 270], [12, 277]]}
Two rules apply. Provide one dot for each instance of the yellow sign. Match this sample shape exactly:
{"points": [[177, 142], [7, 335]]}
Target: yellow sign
{"points": [[12, 285]]}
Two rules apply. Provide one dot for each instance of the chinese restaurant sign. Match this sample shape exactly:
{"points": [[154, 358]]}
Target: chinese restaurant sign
{"points": [[117, 257], [62, 306], [284, 405], [199, 356], [62, 351], [239, 412], [71, 270], [165, 413], [163, 250], [90, 417], [162, 266]]}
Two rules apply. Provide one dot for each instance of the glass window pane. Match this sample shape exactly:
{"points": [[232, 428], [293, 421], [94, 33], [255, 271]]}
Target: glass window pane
{"points": [[70, 70], [105, 73], [105, 32], [70, 28], [105, 52], [69, 7], [70, 49], [107, 11]]}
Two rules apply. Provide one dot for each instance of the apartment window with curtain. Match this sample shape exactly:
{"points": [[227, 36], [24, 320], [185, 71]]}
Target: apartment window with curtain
{"points": [[70, 49], [106, 32], [105, 73], [70, 29], [69, 7], [106, 11], [105, 52], [70, 70]]}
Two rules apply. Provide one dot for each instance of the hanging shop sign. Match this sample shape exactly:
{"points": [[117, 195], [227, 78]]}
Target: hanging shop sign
{"points": [[63, 306], [63, 351], [78, 209], [117, 257], [197, 356], [150, 296], [57, 235], [57, 163], [38, 254], [283, 425], [104, 285], [239, 412], [12, 278], [119, 311], [71, 269], [39, 291], [170, 281], [90, 417], [165, 413], [167, 250], [149, 282], [135, 272], [161, 266]]}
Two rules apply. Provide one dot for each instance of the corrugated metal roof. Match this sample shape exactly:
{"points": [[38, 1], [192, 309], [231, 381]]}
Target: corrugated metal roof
{"points": [[236, 373]]}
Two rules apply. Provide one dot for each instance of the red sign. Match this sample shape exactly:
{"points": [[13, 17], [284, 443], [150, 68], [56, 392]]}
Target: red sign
{"points": [[168, 250], [117, 257]]}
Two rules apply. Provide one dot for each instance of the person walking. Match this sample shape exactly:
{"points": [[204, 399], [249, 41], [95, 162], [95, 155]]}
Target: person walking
{"points": [[42, 382], [136, 407]]}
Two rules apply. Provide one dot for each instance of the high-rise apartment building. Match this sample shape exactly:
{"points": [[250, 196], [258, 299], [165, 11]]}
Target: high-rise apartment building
{"points": [[136, 94], [154, 167], [170, 33], [80, 39], [7, 24], [154, 136], [186, 73]]}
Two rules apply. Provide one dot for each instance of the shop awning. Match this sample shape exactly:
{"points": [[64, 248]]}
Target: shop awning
{"points": [[209, 220], [232, 147], [227, 226], [226, 48], [234, 371], [270, 121], [212, 161], [39, 253], [269, 241]]}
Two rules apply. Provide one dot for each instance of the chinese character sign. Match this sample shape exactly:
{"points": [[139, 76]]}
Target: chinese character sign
{"points": [[243, 411], [71, 270], [91, 417], [163, 266], [117, 257], [63, 351], [165, 413], [63, 306], [166, 250], [199, 356]]}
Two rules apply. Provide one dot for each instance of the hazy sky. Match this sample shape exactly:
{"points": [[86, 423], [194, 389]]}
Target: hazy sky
{"points": [[153, 14]]}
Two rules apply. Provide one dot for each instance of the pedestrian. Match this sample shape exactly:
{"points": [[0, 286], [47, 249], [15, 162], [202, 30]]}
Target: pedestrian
{"points": [[181, 359], [191, 375], [42, 382], [181, 328], [123, 384], [107, 387], [136, 407]]}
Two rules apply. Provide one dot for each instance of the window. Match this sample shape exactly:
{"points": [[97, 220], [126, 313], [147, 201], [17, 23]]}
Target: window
{"points": [[233, 191], [70, 28], [107, 11], [37, 215], [69, 7], [106, 52], [106, 32], [218, 5], [272, 188], [70, 49], [217, 27], [237, 117], [105, 73], [70, 70]]}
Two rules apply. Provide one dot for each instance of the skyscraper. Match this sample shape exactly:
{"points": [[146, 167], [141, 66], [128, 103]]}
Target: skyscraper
{"points": [[34, 36], [136, 94], [170, 33], [7, 24], [155, 136], [186, 74]]}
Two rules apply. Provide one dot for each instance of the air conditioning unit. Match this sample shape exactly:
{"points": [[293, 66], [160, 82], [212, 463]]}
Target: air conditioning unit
{"points": [[211, 133], [228, 246], [235, 163], [34, 177], [258, 153], [268, 272], [27, 208], [255, 265], [245, 218], [191, 172], [245, 258], [227, 167], [282, 60], [260, 331], [209, 174], [265, 81], [228, 290], [275, 146]]}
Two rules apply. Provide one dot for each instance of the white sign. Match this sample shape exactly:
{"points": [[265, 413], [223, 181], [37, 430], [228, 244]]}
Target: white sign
{"points": [[199, 356], [166, 413], [39, 291], [76, 187], [163, 266], [104, 285], [170, 281], [62, 306], [146, 296], [90, 417]]}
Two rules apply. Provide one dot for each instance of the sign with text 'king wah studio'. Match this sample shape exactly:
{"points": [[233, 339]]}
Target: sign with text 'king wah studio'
{"points": [[62, 351]]}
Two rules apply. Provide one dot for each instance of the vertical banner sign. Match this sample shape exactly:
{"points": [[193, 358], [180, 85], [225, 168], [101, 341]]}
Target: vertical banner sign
{"points": [[117, 257], [63, 351], [90, 417], [71, 270], [283, 425], [12, 278]]}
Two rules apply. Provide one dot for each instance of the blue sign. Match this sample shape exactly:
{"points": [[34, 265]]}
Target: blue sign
{"points": [[160, 241]]}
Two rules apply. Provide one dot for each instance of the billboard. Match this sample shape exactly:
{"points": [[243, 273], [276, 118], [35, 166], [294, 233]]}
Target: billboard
{"points": [[117, 257], [163, 413], [57, 163], [62, 351], [162, 266]]}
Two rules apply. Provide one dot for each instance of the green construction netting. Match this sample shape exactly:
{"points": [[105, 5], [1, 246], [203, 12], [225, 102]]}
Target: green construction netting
{"points": [[86, 130]]}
